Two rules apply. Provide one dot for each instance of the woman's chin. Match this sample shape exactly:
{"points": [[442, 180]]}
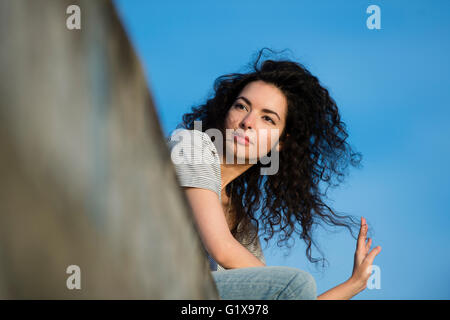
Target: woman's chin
{"points": [[241, 154], [244, 156]]}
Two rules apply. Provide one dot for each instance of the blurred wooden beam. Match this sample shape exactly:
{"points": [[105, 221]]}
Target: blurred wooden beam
{"points": [[86, 176]]}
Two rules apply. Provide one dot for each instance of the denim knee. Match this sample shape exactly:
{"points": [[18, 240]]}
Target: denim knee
{"points": [[302, 286]]}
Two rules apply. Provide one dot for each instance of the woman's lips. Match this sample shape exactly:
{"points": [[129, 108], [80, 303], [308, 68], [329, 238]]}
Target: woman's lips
{"points": [[241, 140]]}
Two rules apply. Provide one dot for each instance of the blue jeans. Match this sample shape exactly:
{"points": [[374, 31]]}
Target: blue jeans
{"points": [[265, 283]]}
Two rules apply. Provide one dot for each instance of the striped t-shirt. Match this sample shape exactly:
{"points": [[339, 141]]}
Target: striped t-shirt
{"points": [[197, 164]]}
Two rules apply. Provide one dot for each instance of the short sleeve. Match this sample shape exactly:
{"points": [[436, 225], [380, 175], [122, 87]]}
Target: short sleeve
{"points": [[195, 158]]}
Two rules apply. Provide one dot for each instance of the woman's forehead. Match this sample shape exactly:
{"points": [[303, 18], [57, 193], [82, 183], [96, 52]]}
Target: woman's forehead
{"points": [[261, 95]]}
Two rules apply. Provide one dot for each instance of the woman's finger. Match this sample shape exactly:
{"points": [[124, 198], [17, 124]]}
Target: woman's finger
{"points": [[368, 244], [362, 235], [372, 255]]}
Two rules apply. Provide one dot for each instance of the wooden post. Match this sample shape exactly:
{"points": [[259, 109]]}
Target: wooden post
{"points": [[85, 173]]}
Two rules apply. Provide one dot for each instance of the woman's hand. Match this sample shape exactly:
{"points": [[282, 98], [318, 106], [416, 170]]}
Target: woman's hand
{"points": [[361, 269], [362, 265]]}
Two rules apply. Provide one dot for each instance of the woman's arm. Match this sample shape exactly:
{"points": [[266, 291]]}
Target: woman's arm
{"points": [[215, 233], [237, 256], [344, 291]]}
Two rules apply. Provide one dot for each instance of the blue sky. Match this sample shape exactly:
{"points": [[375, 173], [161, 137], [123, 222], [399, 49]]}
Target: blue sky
{"points": [[392, 89]]}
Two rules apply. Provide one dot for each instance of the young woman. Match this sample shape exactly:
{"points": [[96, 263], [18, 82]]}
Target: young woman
{"points": [[277, 112]]}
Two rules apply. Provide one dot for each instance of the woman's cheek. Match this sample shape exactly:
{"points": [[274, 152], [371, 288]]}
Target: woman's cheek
{"points": [[263, 143]]}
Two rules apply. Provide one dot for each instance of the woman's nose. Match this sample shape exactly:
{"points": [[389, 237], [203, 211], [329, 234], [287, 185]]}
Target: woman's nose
{"points": [[247, 122]]}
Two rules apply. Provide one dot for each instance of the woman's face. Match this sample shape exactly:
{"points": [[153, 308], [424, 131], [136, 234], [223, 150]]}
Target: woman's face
{"points": [[259, 112]]}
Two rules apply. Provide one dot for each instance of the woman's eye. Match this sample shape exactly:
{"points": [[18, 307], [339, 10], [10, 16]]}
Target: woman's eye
{"points": [[269, 119], [238, 105]]}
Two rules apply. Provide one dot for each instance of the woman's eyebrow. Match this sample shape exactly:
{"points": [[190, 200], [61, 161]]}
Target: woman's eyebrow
{"points": [[263, 110]]}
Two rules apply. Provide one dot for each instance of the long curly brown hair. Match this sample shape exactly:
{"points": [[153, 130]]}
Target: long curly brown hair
{"points": [[315, 151]]}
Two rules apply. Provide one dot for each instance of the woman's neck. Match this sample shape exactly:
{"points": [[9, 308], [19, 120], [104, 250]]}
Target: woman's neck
{"points": [[230, 171]]}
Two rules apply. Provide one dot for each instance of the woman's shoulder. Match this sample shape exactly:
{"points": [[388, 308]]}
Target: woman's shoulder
{"points": [[195, 158], [188, 135], [186, 132], [191, 138]]}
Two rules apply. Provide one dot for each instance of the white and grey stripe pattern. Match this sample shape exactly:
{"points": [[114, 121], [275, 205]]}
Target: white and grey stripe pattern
{"points": [[197, 164], [196, 160]]}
